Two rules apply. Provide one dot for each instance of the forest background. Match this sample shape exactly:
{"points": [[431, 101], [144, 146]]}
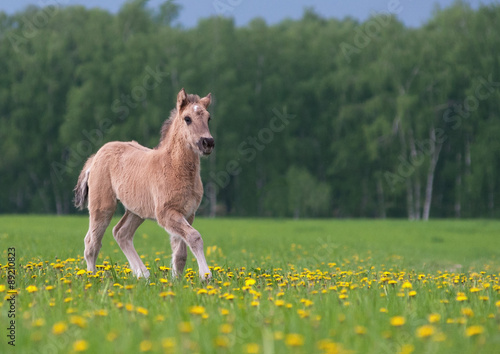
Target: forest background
{"points": [[314, 117]]}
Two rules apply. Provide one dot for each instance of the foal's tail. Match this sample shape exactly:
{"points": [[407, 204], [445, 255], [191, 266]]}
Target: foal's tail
{"points": [[82, 189]]}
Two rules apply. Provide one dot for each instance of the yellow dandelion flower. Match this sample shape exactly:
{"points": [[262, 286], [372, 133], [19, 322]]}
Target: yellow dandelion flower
{"points": [[425, 331], [278, 335], [412, 293], [226, 328], [163, 280], [252, 348], [397, 321], [167, 293], [142, 310], [102, 312], [434, 317], [328, 346], [302, 313], [474, 331], [249, 282], [383, 310], [224, 312], [461, 297], [307, 302], [32, 289], [407, 285], [466, 311], [59, 328], [80, 345], [202, 291], [279, 303], [360, 330], [81, 272], [185, 327], [294, 340], [407, 349], [222, 342], [129, 307], [254, 303], [497, 304], [2, 288], [39, 322], [474, 290], [196, 310], [168, 343], [111, 336], [145, 346], [78, 320]]}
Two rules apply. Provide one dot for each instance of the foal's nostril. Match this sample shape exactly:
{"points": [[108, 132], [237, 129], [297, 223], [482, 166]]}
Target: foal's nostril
{"points": [[208, 143]]}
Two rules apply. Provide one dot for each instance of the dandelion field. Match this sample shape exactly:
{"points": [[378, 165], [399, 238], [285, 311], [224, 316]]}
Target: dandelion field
{"points": [[279, 286]]}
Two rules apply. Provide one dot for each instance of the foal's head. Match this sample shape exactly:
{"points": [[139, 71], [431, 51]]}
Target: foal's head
{"points": [[190, 119]]}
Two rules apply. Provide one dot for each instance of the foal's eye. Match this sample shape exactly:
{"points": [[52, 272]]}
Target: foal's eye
{"points": [[209, 119], [188, 120]]}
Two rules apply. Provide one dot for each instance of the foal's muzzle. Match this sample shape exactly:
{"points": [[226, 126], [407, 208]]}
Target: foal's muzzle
{"points": [[206, 145]]}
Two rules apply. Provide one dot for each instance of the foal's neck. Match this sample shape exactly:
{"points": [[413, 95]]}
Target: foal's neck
{"points": [[181, 156]]}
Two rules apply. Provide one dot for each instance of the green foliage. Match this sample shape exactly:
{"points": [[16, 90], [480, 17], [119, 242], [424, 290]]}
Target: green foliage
{"points": [[387, 120]]}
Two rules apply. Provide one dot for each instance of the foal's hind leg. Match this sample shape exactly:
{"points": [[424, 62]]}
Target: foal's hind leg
{"points": [[99, 221], [123, 233]]}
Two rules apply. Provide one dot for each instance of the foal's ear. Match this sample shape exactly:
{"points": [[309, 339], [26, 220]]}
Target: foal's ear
{"points": [[181, 99], [205, 101]]}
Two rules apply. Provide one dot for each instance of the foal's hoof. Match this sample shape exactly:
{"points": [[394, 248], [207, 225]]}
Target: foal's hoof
{"points": [[142, 274]]}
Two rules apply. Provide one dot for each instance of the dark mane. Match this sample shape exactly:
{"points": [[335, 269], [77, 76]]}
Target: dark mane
{"points": [[167, 124]]}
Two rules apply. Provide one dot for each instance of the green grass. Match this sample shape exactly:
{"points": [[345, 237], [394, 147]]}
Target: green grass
{"points": [[320, 286]]}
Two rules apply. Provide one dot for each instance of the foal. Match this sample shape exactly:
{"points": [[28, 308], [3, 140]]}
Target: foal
{"points": [[162, 184]]}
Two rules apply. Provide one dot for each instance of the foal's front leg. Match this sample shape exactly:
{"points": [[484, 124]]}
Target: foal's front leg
{"points": [[178, 227]]}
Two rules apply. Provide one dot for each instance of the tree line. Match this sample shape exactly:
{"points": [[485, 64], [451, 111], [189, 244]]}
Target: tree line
{"points": [[314, 117]]}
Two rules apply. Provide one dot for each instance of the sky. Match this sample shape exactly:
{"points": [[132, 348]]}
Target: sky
{"points": [[412, 13]]}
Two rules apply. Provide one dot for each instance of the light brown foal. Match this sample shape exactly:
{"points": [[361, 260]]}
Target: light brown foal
{"points": [[161, 184]]}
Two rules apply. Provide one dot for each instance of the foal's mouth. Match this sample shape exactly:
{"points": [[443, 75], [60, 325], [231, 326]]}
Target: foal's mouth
{"points": [[206, 145]]}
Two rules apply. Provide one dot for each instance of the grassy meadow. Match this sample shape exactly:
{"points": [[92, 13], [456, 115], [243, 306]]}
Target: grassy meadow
{"points": [[279, 286]]}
